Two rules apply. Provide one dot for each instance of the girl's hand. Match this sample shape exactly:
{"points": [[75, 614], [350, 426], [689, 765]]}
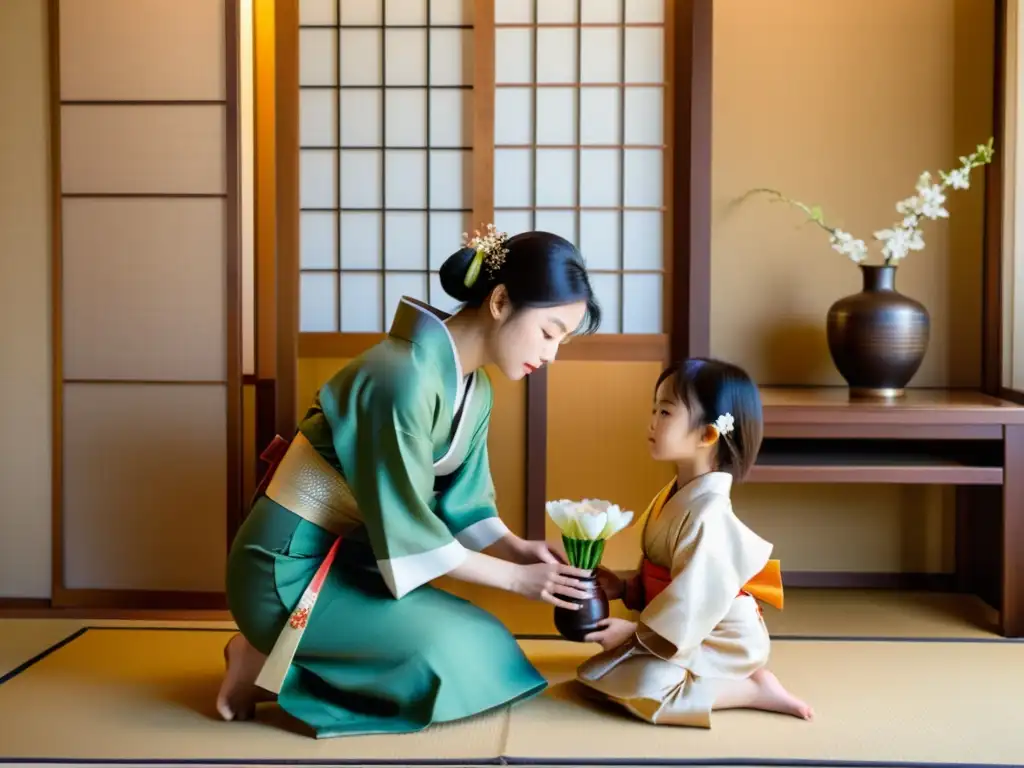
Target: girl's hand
{"points": [[613, 633], [612, 584], [546, 581]]}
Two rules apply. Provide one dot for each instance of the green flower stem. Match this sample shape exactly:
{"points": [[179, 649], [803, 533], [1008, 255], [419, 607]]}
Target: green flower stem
{"points": [[570, 550], [815, 214], [597, 554], [584, 553]]}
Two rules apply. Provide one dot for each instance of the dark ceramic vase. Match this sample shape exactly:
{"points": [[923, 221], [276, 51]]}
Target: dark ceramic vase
{"points": [[575, 625], [878, 337]]}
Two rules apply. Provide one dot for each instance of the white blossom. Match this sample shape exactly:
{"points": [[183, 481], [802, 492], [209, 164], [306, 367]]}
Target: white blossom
{"points": [[909, 206], [898, 242], [845, 243], [725, 423], [931, 198], [959, 179]]}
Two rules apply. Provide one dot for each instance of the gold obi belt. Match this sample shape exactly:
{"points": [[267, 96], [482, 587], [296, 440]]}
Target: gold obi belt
{"points": [[766, 586], [303, 482]]}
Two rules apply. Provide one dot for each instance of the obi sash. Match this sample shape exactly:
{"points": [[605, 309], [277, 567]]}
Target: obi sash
{"points": [[765, 587]]}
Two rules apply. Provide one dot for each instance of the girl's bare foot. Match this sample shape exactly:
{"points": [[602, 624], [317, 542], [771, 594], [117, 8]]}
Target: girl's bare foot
{"points": [[773, 697], [238, 693], [762, 690]]}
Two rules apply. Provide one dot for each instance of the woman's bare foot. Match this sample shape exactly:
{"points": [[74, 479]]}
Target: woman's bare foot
{"points": [[762, 690], [238, 693]]}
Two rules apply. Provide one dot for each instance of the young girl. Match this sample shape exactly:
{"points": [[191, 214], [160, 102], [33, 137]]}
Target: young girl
{"points": [[700, 643]]}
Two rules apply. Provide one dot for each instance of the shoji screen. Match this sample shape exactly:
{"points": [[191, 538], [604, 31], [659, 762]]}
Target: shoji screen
{"points": [[579, 141], [147, 349], [385, 160]]}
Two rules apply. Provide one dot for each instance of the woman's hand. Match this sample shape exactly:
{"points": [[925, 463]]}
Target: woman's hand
{"points": [[546, 581], [537, 552], [516, 550], [613, 633]]}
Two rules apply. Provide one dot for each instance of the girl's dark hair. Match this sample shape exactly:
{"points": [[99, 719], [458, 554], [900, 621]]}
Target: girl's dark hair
{"points": [[709, 388], [540, 270]]}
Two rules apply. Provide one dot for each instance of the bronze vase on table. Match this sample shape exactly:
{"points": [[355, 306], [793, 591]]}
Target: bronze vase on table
{"points": [[878, 337]]}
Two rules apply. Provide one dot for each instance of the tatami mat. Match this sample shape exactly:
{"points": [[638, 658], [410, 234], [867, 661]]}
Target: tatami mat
{"points": [[125, 694], [22, 639], [875, 702], [808, 613]]}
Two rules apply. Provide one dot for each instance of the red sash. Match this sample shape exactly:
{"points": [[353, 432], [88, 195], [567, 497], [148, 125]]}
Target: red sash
{"points": [[272, 455], [766, 586]]}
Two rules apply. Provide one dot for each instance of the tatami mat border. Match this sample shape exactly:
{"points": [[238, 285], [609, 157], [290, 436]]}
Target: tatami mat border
{"points": [[752, 762], [42, 655]]}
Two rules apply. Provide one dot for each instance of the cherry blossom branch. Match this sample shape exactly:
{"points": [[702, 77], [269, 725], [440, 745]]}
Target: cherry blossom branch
{"points": [[904, 236]]}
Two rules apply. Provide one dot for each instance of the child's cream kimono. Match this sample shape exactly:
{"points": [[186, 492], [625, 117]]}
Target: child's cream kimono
{"points": [[700, 623]]}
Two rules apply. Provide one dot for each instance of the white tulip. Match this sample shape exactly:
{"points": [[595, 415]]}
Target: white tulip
{"points": [[559, 512], [585, 526], [563, 514], [617, 520], [592, 524], [589, 519]]}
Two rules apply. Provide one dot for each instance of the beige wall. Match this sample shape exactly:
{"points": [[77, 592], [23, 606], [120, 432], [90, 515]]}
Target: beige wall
{"points": [[843, 104], [24, 300]]}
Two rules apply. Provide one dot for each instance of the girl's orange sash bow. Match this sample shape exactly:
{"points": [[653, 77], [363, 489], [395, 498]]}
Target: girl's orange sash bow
{"points": [[766, 586]]}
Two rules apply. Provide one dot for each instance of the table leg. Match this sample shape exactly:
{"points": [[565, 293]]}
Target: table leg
{"points": [[979, 525], [1012, 551]]}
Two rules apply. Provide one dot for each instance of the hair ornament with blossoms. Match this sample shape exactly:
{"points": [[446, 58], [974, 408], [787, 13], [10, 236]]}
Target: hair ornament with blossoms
{"points": [[725, 423], [490, 252]]}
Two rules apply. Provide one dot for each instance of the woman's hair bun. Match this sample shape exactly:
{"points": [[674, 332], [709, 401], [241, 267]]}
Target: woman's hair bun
{"points": [[453, 277], [538, 269]]}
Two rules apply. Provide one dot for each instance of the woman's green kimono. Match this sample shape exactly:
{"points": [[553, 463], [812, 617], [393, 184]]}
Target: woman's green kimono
{"points": [[393, 458]]}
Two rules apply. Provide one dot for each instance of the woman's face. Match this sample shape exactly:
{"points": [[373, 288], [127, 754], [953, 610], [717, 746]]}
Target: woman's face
{"points": [[525, 340]]}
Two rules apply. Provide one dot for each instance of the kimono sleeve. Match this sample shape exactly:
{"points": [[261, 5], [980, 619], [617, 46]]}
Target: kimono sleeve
{"points": [[467, 501], [381, 434], [714, 556]]}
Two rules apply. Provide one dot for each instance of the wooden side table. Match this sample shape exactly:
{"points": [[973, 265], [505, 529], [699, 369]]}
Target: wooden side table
{"points": [[935, 437]]}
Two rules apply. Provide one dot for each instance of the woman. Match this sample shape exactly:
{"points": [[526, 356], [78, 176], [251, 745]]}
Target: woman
{"points": [[384, 488]]}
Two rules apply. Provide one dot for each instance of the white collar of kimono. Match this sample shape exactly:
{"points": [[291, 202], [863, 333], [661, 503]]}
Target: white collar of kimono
{"points": [[439, 317], [712, 482]]}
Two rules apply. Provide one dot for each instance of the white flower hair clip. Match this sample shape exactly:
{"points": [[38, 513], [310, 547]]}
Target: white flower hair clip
{"points": [[490, 252], [724, 423]]}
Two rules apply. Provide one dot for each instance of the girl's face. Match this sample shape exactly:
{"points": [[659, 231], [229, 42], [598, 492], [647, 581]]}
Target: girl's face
{"points": [[670, 436], [524, 341]]}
